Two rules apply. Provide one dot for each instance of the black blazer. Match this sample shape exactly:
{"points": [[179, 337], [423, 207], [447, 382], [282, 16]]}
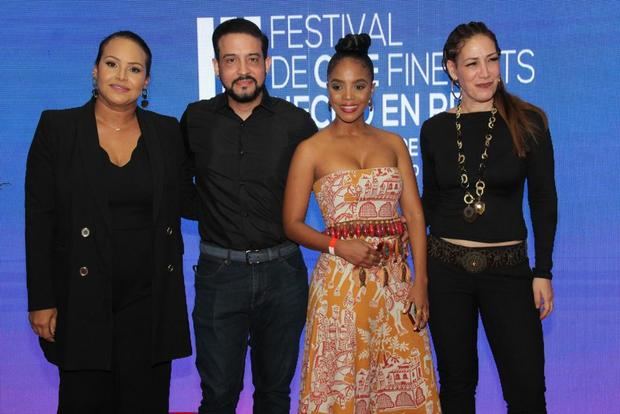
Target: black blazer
{"points": [[68, 246]]}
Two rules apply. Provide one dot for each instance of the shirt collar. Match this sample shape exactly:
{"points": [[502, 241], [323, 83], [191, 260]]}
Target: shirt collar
{"points": [[267, 102]]}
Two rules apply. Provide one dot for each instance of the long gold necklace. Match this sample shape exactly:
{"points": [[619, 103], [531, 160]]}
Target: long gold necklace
{"points": [[474, 206]]}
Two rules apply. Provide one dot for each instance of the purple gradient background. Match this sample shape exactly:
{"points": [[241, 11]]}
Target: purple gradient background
{"points": [[48, 48]]}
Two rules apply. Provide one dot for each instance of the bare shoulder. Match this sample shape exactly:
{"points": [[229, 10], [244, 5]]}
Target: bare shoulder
{"points": [[395, 141], [309, 148]]}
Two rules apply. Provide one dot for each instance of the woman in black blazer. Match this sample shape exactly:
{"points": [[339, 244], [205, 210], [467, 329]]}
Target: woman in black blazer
{"points": [[104, 184]]}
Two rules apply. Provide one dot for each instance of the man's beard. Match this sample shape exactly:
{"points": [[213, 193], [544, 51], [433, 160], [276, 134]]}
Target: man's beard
{"points": [[246, 97]]}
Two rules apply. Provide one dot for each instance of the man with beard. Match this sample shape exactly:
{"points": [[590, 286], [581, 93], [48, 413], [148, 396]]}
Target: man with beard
{"points": [[251, 282]]}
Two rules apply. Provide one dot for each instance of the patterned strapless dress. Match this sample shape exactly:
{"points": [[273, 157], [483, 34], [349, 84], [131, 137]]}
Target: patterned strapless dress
{"points": [[361, 354]]}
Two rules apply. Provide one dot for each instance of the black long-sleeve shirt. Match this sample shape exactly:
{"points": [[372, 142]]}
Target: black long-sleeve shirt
{"points": [[505, 177], [240, 168]]}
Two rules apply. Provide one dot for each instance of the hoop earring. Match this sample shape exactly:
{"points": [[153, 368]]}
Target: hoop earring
{"points": [[95, 91], [145, 100], [370, 106], [453, 92]]}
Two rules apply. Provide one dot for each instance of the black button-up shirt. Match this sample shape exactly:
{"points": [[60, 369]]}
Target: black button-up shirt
{"points": [[240, 168]]}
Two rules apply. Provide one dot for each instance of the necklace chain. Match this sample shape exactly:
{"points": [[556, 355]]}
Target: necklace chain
{"points": [[116, 129], [474, 206]]}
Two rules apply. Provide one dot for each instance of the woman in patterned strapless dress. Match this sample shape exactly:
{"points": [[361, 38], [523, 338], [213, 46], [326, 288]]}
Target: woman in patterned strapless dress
{"points": [[366, 348]]}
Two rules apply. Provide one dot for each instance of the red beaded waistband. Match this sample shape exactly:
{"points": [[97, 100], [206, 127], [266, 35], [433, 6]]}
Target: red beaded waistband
{"points": [[366, 228]]}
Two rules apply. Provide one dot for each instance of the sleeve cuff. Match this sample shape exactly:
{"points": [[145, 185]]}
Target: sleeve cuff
{"points": [[543, 274]]}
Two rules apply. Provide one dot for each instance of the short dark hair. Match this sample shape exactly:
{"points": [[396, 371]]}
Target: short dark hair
{"points": [[126, 34], [353, 46], [238, 25]]}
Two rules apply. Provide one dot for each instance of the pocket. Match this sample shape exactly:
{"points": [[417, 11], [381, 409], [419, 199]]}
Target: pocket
{"points": [[209, 266], [294, 263]]}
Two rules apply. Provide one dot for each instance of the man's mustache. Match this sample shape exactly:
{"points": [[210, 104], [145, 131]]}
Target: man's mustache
{"points": [[242, 78]]}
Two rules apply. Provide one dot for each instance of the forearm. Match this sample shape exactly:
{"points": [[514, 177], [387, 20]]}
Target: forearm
{"points": [[417, 234], [542, 197], [301, 233], [40, 219]]}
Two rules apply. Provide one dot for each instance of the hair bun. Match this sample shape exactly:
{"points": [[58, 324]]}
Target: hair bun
{"points": [[354, 43]]}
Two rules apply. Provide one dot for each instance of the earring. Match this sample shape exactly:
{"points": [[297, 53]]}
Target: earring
{"points": [[95, 91], [329, 106], [145, 100], [453, 92], [370, 104]]}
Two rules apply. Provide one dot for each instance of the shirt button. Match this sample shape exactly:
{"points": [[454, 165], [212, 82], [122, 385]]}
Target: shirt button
{"points": [[85, 232], [83, 271], [170, 268], [246, 214], [169, 231]]}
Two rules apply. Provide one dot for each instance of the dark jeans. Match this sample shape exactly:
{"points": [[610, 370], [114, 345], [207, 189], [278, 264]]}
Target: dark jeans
{"points": [[133, 385], [263, 305], [505, 302]]}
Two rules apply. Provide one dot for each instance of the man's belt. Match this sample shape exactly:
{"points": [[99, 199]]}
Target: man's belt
{"points": [[249, 256]]}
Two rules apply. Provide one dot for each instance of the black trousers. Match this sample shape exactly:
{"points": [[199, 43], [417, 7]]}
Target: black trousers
{"points": [[133, 385], [504, 300], [260, 305]]}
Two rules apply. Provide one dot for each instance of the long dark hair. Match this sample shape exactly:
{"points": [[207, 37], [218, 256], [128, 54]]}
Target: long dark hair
{"points": [[513, 109]]}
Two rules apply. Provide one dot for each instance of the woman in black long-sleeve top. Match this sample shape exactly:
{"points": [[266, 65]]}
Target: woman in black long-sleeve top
{"points": [[476, 159], [104, 184]]}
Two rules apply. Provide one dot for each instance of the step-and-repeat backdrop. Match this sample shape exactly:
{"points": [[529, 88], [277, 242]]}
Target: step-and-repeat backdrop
{"points": [[563, 56]]}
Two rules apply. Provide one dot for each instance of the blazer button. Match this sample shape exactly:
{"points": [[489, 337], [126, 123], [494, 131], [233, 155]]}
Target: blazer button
{"points": [[169, 231], [170, 268], [85, 232], [83, 271]]}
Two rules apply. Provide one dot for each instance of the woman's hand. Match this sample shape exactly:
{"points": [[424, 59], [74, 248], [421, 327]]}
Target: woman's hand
{"points": [[417, 304], [359, 252], [543, 296], [43, 323]]}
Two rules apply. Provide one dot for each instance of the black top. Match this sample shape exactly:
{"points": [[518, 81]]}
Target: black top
{"points": [[240, 168], [130, 197], [505, 176], [69, 256]]}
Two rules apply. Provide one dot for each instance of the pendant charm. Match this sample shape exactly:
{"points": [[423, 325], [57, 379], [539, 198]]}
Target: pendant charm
{"points": [[362, 275], [469, 214], [386, 251], [479, 206]]}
